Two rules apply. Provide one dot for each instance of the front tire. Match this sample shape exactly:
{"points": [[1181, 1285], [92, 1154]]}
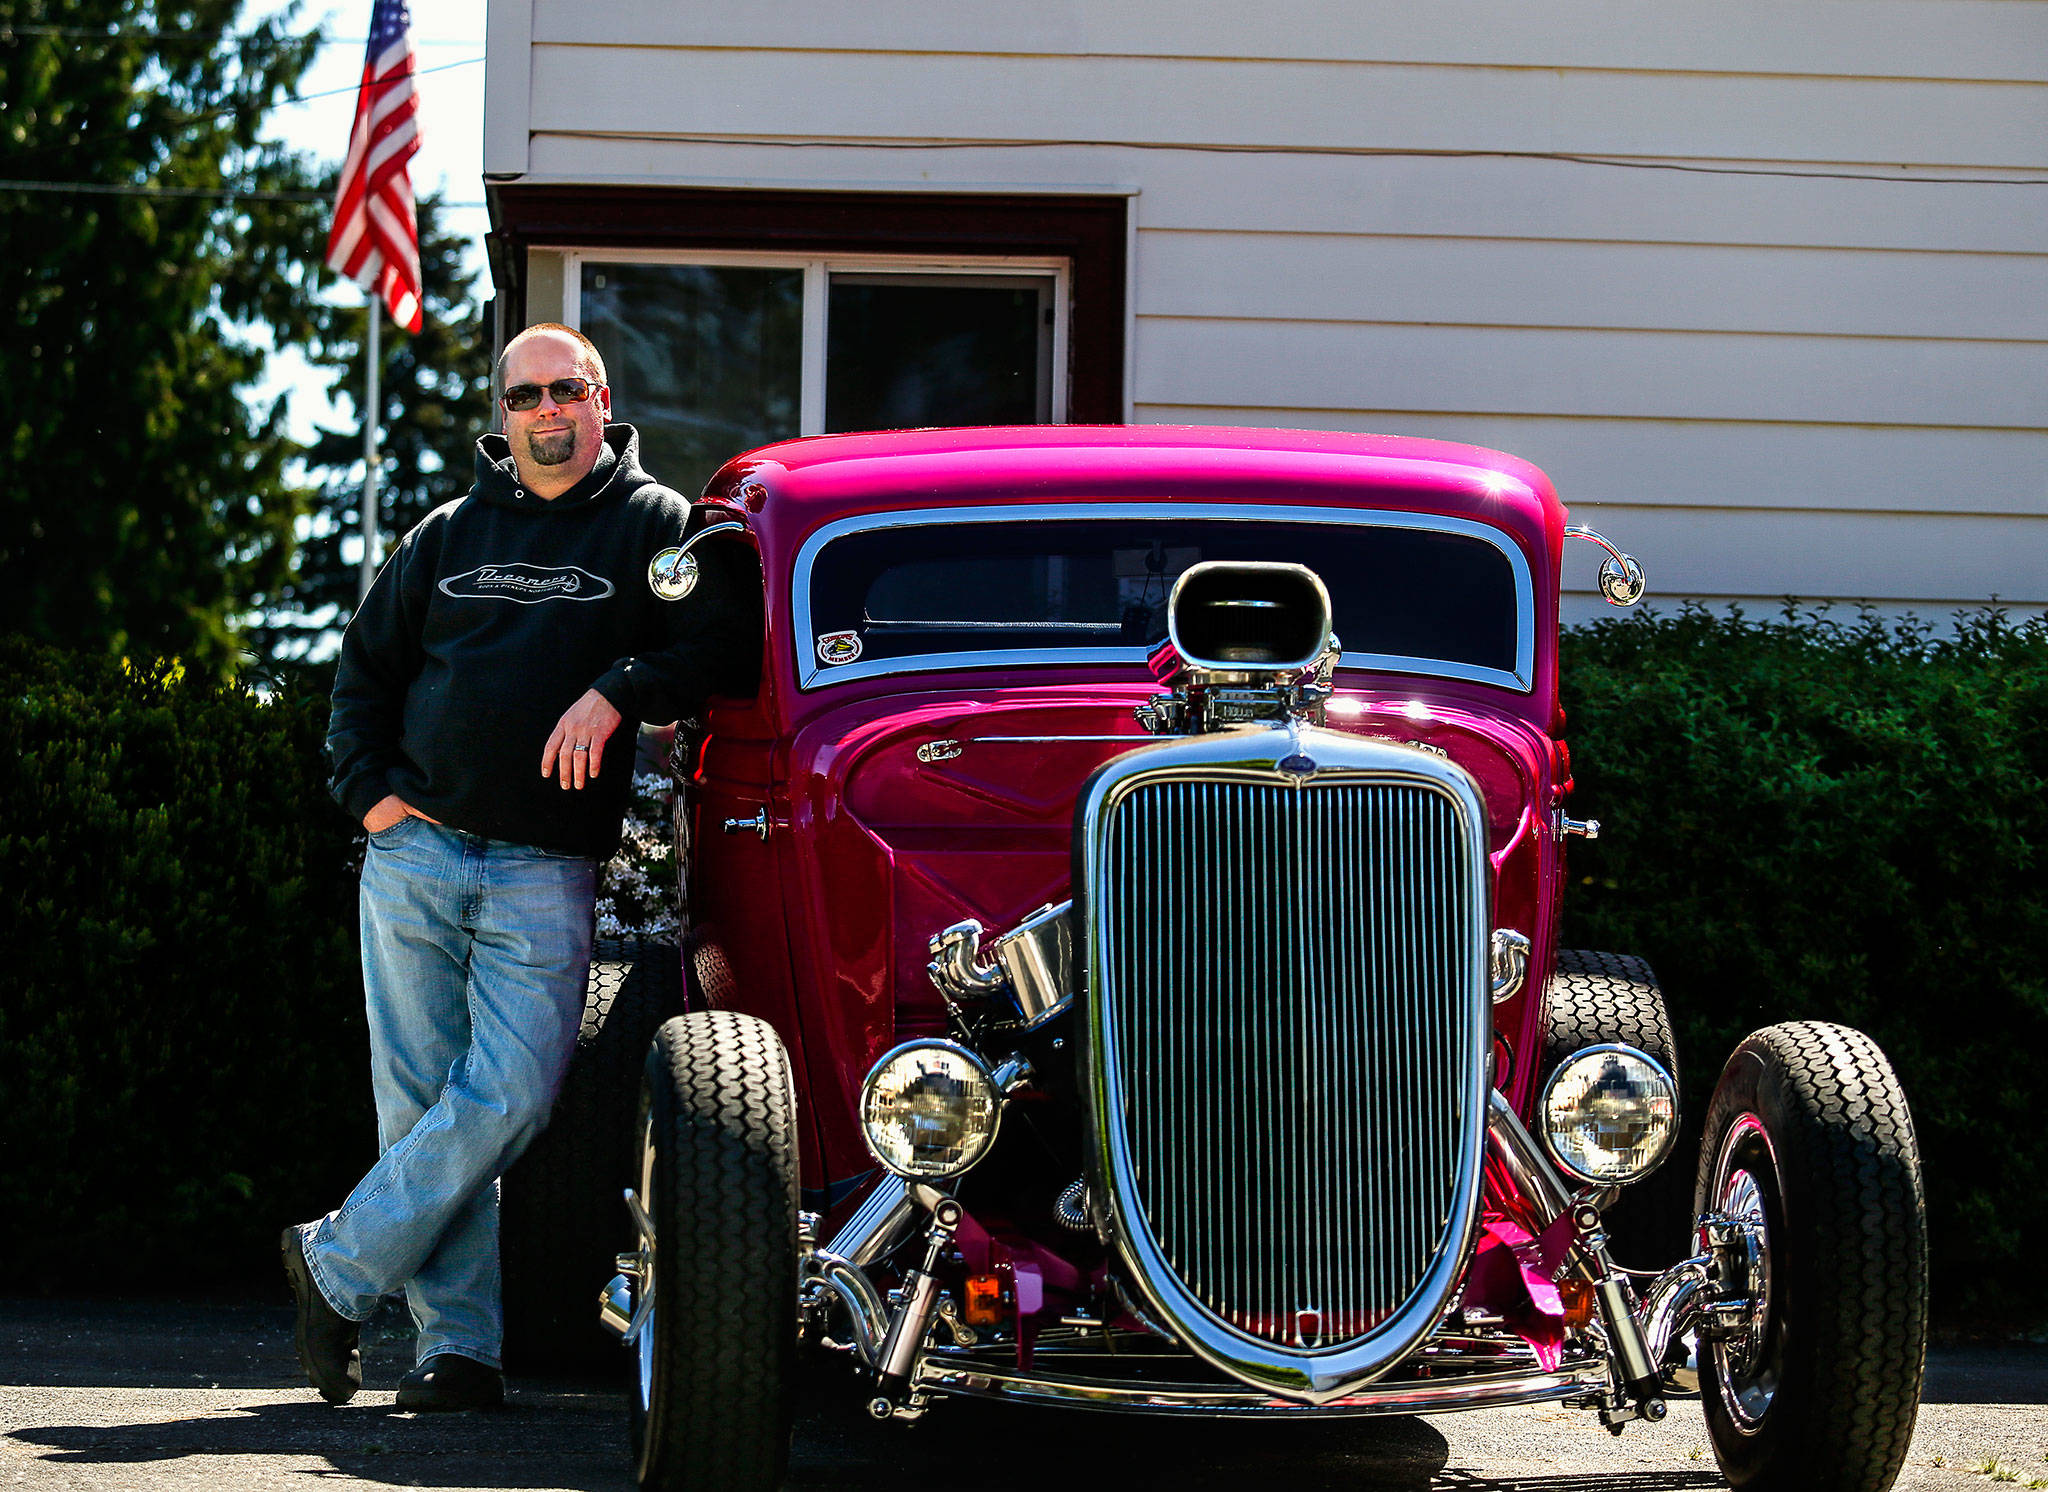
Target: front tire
{"points": [[1809, 1135], [714, 1368]]}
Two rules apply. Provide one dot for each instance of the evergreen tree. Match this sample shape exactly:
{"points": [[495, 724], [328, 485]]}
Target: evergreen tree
{"points": [[435, 389], [151, 250]]}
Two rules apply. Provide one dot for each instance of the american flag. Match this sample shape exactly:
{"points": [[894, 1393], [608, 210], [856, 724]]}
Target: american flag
{"points": [[375, 240]]}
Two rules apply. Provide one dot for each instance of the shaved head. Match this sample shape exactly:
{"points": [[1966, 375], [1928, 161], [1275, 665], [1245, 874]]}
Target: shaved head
{"points": [[589, 362]]}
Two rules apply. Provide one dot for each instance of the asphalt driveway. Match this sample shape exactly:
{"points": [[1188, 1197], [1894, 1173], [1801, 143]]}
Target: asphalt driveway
{"points": [[121, 1395]]}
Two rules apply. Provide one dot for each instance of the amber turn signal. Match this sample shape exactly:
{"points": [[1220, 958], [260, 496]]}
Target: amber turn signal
{"points": [[1577, 1296], [985, 1305]]}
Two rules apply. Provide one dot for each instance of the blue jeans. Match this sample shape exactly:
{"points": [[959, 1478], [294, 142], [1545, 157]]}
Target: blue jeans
{"points": [[476, 954]]}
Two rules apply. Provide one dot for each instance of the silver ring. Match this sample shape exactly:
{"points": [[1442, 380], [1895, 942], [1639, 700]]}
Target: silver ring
{"points": [[579, 748]]}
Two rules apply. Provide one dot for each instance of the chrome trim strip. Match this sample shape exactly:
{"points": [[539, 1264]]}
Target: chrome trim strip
{"points": [[811, 674], [1252, 755], [939, 1374]]}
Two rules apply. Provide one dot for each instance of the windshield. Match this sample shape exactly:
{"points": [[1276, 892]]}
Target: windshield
{"points": [[1002, 586]]}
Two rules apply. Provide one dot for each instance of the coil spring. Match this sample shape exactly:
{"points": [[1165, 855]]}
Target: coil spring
{"points": [[1072, 1208]]}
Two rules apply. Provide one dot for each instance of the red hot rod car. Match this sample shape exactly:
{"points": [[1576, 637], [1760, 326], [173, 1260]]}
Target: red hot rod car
{"points": [[1124, 931]]}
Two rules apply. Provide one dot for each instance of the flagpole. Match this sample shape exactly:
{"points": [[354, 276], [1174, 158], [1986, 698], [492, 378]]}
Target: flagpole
{"points": [[372, 408]]}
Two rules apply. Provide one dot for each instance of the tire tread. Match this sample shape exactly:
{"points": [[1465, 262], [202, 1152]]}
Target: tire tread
{"points": [[1856, 1214], [726, 1262]]}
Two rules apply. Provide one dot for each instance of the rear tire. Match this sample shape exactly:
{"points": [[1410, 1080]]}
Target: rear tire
{"points": [[1809, 1130], [714, 1370], [1595, 999], [560, 1210]]}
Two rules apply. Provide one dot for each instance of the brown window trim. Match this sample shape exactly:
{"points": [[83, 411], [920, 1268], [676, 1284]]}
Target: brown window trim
{"points": [[1089, 232]]}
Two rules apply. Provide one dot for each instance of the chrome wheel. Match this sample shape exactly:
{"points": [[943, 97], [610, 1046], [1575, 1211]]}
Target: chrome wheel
{"points": [[643, 1308], [1750, 1355]]}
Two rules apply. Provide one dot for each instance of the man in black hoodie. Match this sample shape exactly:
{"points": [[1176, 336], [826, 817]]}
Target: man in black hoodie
{"points": [[512, 640]]}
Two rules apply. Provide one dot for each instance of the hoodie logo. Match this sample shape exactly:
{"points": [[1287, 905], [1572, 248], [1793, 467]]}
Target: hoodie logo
{"points": [[527, 584]]}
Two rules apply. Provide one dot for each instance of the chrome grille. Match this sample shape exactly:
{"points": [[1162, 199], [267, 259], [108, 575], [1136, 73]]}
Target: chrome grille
{"points": [[1286, 988]]}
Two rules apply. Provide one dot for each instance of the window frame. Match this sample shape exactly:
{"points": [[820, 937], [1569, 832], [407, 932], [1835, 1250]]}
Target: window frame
{"points": [[1093, 227], [818, 270]]}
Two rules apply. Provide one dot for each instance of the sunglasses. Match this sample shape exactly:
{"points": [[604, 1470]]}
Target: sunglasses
{"points": [[562, 390]]}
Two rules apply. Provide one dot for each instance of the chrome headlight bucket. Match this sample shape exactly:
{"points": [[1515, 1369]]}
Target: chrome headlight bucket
{"points": [[1609, 1114], [929, 1109]]}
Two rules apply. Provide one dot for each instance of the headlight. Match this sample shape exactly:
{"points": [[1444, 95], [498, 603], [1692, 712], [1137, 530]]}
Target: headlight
{"points": [[1609, 1114], [930, 1108]]}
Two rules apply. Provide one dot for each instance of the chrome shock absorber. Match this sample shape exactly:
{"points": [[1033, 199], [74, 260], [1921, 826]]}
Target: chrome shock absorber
{"points": [[913, 1317]]}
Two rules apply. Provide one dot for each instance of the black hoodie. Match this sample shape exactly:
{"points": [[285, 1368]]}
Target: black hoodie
{"points": [[494, 616]]}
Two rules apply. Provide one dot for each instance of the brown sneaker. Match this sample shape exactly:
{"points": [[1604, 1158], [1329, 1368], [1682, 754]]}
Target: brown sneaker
{"points": [[448, 1380], [326, 1339]]}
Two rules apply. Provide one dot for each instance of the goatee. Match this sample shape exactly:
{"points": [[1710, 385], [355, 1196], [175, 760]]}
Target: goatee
{"points": [[551, 447]]}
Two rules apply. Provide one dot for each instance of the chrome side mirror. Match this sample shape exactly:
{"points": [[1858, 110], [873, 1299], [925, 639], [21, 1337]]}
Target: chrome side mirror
{"points": [[672, 574], [1621, 578]]}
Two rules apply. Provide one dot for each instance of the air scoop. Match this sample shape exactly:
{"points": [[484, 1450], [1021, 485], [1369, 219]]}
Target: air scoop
{"points": [[1245, 640], [1248, 617]]}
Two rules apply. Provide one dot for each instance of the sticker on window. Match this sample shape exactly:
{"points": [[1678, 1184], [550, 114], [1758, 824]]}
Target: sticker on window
{"points": [[838, 647]]}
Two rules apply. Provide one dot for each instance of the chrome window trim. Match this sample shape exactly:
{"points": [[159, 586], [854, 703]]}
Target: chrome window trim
{"points": [[1252, 755], [812, 674]]}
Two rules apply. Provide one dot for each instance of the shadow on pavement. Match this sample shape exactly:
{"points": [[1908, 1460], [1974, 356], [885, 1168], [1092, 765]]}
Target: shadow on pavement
{"points": [[576, 1441], [1017, 1447], [1603, 1481], [538, 1444]]}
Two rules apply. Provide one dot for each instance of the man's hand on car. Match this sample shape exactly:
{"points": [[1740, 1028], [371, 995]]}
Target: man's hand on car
{"points": [[389, 810], [576, 749]]}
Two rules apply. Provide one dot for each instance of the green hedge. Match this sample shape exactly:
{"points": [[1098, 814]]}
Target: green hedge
{"points": [[1803, 819], [183, 1060]]}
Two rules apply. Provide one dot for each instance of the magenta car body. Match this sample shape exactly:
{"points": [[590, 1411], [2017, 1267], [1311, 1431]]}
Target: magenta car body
{"points": [[1271, 1091], [870, 850]]}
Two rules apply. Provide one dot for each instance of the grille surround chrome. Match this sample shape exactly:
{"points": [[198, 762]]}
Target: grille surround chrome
{"points": [[1255, 755]]}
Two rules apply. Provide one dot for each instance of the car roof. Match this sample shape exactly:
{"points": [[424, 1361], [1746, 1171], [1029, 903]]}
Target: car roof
{"points": [[794, 486]]}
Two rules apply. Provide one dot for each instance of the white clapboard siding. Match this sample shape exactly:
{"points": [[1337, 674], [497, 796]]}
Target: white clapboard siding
{"points": [[1363, 194], [1904, 557], [1521, 282], [1712, 464], [1654, 375], [1967, 39], [1758, 338], [1294, 105]]}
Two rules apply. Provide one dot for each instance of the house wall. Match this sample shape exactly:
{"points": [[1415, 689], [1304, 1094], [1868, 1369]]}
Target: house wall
{"points": [[1787, 334]]}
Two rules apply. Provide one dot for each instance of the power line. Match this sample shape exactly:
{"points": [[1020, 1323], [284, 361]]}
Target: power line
{"points": [[222, 194], [297, 98], [88, 33], [418, 72], [101, 189]]}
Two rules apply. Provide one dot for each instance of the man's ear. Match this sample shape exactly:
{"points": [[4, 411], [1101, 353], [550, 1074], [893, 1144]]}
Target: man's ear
{"points": [[604, 401]]}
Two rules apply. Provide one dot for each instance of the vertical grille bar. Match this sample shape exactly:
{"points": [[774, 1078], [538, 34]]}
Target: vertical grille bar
{"points": [[1285, 974]]}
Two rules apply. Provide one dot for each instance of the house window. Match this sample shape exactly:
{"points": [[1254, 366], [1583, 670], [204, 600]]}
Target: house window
{"points": [[713, 353]]}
